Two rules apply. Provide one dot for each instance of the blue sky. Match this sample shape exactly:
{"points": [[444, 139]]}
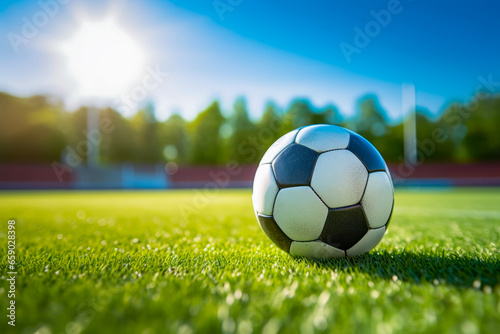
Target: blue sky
{"points": [[272, 50]]}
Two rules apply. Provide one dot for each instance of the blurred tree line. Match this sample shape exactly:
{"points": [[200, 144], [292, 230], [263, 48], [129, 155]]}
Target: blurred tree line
{"points": [[39, 129]]}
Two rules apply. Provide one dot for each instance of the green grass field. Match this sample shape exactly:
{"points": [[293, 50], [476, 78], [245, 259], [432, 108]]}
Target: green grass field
{"points": [[179, 262]]}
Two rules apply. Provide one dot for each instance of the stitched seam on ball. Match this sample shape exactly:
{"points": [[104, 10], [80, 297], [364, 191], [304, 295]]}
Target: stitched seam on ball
{"points": [[364, 190], [312, 173], [314, 191]]}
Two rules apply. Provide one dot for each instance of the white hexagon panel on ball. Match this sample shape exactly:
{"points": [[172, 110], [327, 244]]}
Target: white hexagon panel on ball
{"points": [[339, 178], [300, 213], [264, 190], [323, 137], [378, 199]]}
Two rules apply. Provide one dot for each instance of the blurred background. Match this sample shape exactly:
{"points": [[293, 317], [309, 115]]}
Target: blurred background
{"points": [[176, 94]]}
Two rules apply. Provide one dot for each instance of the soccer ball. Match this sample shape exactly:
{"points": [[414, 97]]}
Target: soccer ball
{"points": [[323, 191]]}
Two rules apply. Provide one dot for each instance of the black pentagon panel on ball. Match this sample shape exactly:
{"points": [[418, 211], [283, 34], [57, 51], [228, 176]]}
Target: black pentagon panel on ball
{"points": [[274, 232], [366, 152], [344, 227], [294, 166]]}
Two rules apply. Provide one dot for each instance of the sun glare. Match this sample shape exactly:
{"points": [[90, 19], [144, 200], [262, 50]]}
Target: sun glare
{"points": [[103, 59]]}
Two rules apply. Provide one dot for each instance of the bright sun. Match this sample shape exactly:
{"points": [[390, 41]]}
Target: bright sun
{"points": [[103, 59]]}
